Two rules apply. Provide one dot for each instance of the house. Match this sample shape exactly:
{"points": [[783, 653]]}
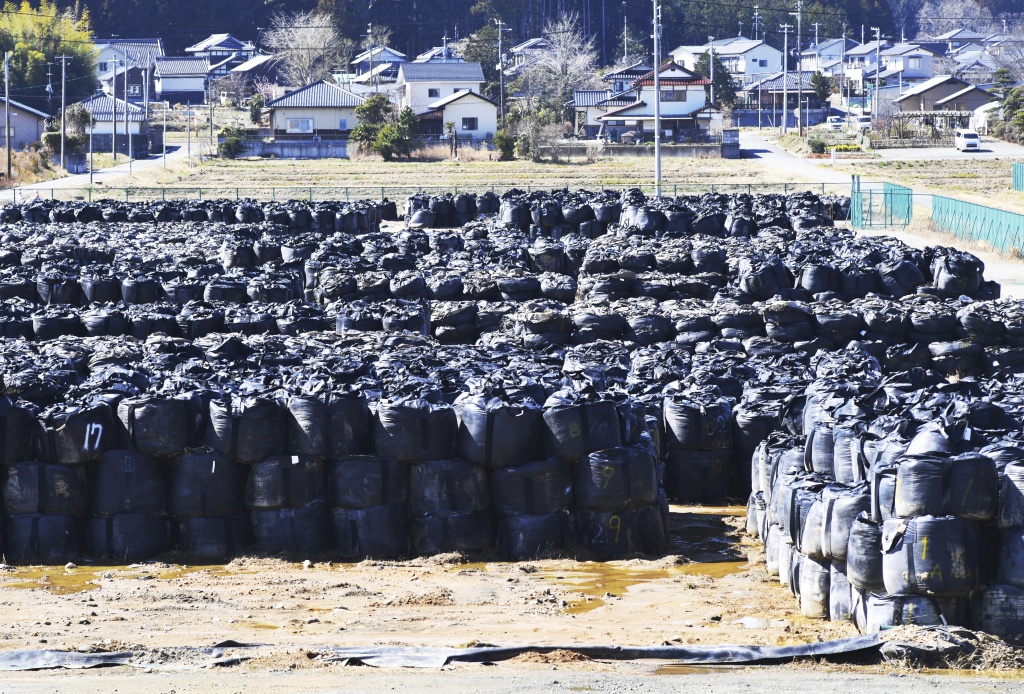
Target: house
{"points": [[113, 83], [111, 53], [475, 116], [914, 63], [522, 55], [620, 79], [318, 111], [181, 80], [590, 104], [943, 93], [865, 54], [420, 85], [217, 47], [746, 59], [976, 67], [776, 96], [439, 54], [108, 115], [958, 38], [378, 55], [27, 124], [825, 56], [684, 108], [381, 74], [259, 68]]}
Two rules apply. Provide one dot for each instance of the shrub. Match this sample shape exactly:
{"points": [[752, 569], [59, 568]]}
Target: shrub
{"points": [[231, 146], [817, 146], [73, 142], [506, 145]]}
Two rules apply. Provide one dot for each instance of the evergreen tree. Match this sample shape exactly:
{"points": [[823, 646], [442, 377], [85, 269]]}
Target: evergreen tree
{"points": [[725, 87]]}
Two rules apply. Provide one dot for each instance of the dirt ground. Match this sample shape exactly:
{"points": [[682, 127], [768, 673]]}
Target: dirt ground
{"points": [[712, 589], [705, 593]]}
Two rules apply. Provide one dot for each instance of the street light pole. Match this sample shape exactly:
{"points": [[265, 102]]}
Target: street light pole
{"points": [[501, 70]]}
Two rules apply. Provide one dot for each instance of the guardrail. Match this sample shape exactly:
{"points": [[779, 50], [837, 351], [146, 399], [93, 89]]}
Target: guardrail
{"points": [[363, 192], [1003, 231]]}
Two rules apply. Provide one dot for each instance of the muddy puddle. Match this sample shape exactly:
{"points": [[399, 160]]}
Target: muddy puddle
{"points": [[61, 581]]}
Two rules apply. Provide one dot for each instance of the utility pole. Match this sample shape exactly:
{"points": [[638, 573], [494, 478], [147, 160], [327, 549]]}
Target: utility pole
{"points": [[785, 76], [625, 35], [163, 138], [188, 133], [711, 68], [127, 127], [757, 21], [657, 100], [800, 69], [146, 88], [63, 101], [7, 109], [604, 35], [369, 40], [501, 70], [842, 71], [816, 24], [878, 69]]}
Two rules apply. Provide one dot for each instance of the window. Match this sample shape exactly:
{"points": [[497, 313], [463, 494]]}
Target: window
{"points": [[762, 63], [104, 67], [469, 124], [12, 132], [299, 126], [620, 86], [915, 63], [343, 124], [673, 95], [134, 90], [434, 93]]}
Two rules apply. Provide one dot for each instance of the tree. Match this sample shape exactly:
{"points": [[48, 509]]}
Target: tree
{"points": [[256, 104], [506, 145], [373, 114], [725, 87], [569, 63], [1002, 83], [821, 86], [628, 47], [35, 36], [308, 45], [482, 47], [76, 118], [939, 16]]}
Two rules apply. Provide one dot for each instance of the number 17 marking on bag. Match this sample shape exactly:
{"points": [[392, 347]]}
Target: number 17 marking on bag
{"points": [[94, 429]]}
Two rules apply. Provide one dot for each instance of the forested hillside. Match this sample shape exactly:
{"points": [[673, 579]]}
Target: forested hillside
{"points": [[420, 24]]}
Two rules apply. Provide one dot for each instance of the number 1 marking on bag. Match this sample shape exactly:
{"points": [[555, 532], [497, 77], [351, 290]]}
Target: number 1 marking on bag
{"points": [[94, 429]]}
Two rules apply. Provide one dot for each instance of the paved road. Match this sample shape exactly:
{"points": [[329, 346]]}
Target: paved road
{"points": [[102, 176], [990, 149], [754, 146]]}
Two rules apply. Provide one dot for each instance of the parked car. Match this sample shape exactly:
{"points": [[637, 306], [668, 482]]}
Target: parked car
{"points": [[834, 124], [862, 123], [967, 140]]}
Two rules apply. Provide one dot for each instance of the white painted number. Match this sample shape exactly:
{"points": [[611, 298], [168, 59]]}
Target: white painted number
{"points": [[93, 434]]}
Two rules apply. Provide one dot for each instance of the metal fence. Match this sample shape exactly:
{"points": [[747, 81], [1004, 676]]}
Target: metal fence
{"points": [[891, 206], [1003, 231], [1018, 176], [363, 192]]}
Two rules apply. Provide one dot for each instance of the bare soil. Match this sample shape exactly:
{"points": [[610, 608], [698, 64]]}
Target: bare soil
{"points": [[698, 595]]}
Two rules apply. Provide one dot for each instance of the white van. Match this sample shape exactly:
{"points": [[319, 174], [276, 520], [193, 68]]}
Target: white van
{"points": [[967, 140], [862, 123]]}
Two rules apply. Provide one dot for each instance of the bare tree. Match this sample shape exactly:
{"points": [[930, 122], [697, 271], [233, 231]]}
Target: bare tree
{"points": [[308, 45], [568, 63], [940, 16], [1010, 54]]}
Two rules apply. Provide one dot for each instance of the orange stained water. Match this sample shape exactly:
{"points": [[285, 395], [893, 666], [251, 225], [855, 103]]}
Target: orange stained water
{"points": [[61, 581]]}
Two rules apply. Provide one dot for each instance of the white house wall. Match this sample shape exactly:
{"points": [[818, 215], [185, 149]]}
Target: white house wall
{"points": [[416, 95], [27, 129], [180, 84], [323, 118], [107, 128], [485, 113]]}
